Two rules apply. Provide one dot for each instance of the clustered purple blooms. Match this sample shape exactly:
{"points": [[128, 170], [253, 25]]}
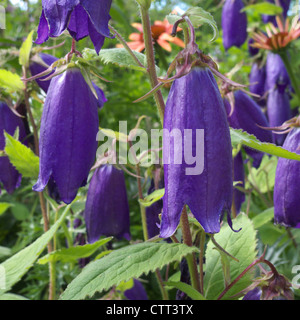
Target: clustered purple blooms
{"points": [[286, 189], [81, 18], [10, 178], [107, 211], [68, 132], [234, 24], [208, 194]]}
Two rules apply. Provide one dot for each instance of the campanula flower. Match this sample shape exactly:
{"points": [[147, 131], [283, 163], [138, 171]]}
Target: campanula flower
{"points": [[81, 18], [10, 178], [257, 81], [234, 24], [107, 211], [68, 133], [195, 104], [137, 292]]}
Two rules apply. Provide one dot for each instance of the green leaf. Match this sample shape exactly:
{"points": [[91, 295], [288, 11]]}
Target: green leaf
{"points": [[4, 252], [262, 218], [73, 253], [153, 197], [263, 8], [4, 206], [21, 157], [186, 288], [10, 81], [11, 296], [118, 56], [16, 266], [20, 211], [122, 265], [242, 137], [25, 51], [242, 245]]}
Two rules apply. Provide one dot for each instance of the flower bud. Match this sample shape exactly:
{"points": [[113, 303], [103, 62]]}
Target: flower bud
{"points": [[10, 178], [107, 210], [195, 104], [234, 24], [286, 189], [68, 133]]}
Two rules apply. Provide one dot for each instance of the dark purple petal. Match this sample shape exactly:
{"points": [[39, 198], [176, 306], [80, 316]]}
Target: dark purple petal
{"points": [[252, 51], [101, 97], [195, 102], [43, 30], [254, 294], [137, 292], [234, 24], [96, 37], [257, 81], [276, 72], [107, 210], [287, 184], [10, 178], [36, 68], [68, 134], [78, 25], [279, 111], [239, 175]]}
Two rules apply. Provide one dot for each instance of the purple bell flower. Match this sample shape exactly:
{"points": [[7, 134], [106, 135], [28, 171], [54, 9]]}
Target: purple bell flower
{"points": [[276, 72], [286, 189], [194, 102], [238, 175], [234, 24], [107, 210], [137, 292], [247, 116], [81, 18], [254, 294], [285, 4], [278, 110], [36, 68], [10, 178], [257, 81], [68, 133]]}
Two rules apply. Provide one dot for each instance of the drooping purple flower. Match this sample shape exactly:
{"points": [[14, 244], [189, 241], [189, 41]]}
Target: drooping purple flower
{"points": [[81, 18], [276, 72], [285, 4], [10, 178], [248, 116], [68, 132], [254, 294], [257, 81], [287, 184], [204, 184], [107, 210], [239, 176], [36, 68], [137, 292], [234, 24], [278, 110]]}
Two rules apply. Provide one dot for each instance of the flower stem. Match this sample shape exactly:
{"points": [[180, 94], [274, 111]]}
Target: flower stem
{"points": [[149, 50]]}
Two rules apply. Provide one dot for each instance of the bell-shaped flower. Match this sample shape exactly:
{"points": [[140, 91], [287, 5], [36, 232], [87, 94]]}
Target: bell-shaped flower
{"points": [[234, 24], [286, 189], [107, 211], [257, 79], [68, 133], [10, 178], [81, 18], [197, 153], [137, 292]]}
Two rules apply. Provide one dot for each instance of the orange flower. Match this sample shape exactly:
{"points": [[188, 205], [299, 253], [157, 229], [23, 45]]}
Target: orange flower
{"points": [[277, 38], [161, 34]]}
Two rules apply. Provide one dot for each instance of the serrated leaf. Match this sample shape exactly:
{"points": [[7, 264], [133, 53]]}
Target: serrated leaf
{"points": [[21, 157], [16, 266], [242, 137], [152, 197], [118, 56], [263, 8], [122, 265], [25, 50], [242, 245], [73, 253], [10, 81], [186, 288]]}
